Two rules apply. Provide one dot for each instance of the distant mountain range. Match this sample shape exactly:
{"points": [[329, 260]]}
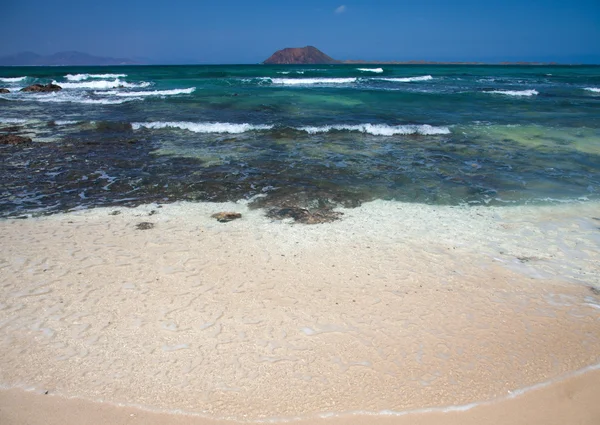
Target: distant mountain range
{"points": [[62, 58]]}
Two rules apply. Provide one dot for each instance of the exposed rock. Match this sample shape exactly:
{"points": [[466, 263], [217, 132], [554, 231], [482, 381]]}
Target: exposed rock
{"points": [[3, 90], [13, 139], [303, 215], [144, 225], [299, 55], [40, 88], [224, 216]]}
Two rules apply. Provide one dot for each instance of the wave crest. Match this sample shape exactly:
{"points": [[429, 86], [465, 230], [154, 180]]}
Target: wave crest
{"points": [[380, 129], [12, 79], [407, 79], [202, 127], [101, 84], [81, 77], [515, 92], [376, 70], [593, 89], [173, 92], [311, 81]]}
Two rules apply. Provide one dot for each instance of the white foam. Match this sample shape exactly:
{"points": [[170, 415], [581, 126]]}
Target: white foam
{"points": [[65, 122], [380, 129], [173, 92], [12, 79], [81, 77], [203, 127], [408, 79], [515, 92], [101, 84], [311, 81], [62, 97], [593, 89], [377, 70], [12, 121]]}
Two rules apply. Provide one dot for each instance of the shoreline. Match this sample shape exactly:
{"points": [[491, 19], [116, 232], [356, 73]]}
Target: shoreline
{"points": [[568, 400], [396, 307]]}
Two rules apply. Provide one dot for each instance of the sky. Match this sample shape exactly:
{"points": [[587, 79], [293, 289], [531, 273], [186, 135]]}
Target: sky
{"points": [[238, 31]]}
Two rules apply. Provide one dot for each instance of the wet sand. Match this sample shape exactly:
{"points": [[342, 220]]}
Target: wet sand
{"points": [[570, 401], [394, 308]]}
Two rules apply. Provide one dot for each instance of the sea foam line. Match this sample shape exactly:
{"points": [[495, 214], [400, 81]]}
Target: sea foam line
{"points": [[12, 79], [202, 127], [101, 84], [81, 77], [380, 129], [515, 92], [148, 93], [376, 70], [407, 79]]}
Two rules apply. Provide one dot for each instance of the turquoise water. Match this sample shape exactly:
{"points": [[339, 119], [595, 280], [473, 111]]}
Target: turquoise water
{"points": [[306, 135]]}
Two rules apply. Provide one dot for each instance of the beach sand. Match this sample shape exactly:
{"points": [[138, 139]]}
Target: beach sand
{"points": [[396, 307]]}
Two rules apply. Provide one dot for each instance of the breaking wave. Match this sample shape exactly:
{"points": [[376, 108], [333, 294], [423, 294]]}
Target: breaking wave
{"points": [[81, 77], [173, 92], [408, 79], [515, 92], [225, 127], [311, 81], [62, 97], [380, 129], [202, 127], [12, 121], [376, 70], [12, 79], [593, 89], [101, 84]]}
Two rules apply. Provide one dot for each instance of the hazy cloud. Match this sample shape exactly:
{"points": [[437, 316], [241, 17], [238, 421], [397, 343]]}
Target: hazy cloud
{"points": [[340, 9]]}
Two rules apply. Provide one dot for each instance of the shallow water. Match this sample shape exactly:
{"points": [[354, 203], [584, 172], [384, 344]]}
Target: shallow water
{"points": [[303, 135]]}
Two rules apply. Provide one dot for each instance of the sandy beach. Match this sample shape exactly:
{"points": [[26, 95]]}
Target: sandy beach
{"points": [[394, 308]]}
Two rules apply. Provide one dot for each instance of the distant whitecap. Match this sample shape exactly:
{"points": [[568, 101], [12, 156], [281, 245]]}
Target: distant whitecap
{"points": [[515, 92], [311, 81], [407, 79], [376, 70]]}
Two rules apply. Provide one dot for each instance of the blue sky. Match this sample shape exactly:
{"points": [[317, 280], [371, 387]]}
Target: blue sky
{"points": [[236, 31]]}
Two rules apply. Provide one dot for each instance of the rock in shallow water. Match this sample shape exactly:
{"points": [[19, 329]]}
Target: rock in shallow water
{"points": [[3, 90], [13, 139], [303, 215], [39, 88], [224, 216]]}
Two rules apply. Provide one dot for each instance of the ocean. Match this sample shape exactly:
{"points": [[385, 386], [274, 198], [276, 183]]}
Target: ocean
{"points": [[309, 136]]}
